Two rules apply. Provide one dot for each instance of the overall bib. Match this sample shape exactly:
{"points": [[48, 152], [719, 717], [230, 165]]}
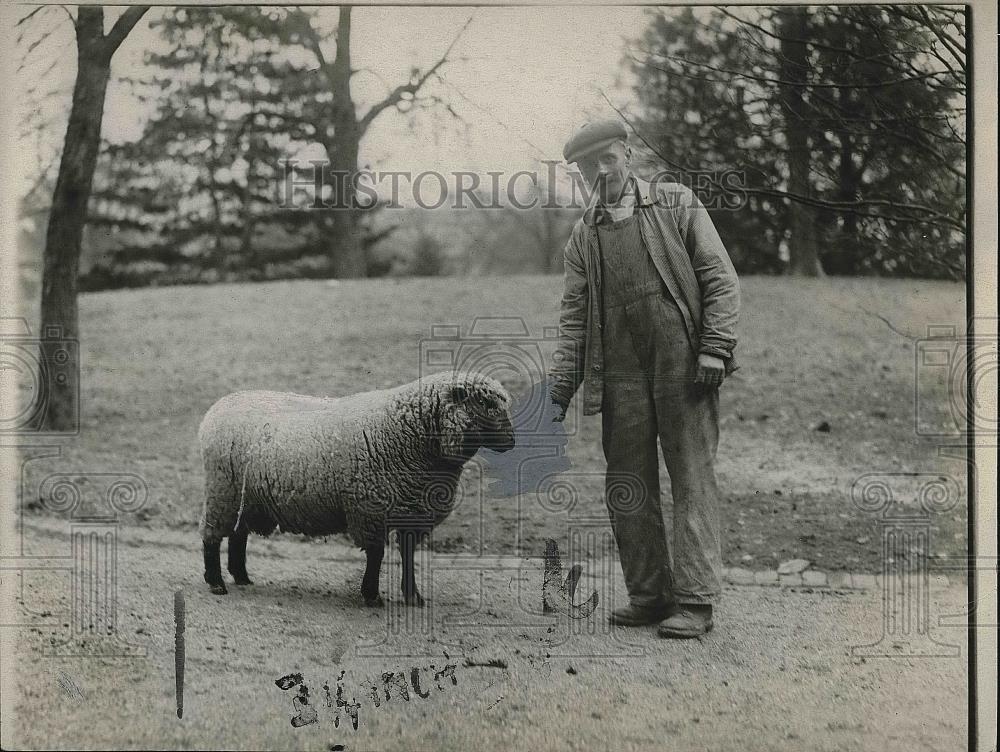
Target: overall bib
{"points": [[649, 393]]}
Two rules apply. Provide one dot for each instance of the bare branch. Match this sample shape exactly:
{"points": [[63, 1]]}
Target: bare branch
{"points": [[374, 73], [931, 216], [42, 177], [32, 47], [925, 20], [375, 237], [489, 113], [877, 58], [413, 86], [779, 81], [948, 43], [25, 19], [302, 22], [126, 21]]}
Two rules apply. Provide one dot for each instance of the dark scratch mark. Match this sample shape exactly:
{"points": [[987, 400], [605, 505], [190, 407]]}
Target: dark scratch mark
{"points": [[491, 663], [69, 686], [179, 650], [287, 682]]}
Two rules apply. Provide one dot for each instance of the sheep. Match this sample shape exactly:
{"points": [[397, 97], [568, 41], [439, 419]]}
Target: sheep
{"points": [[362, 464]]}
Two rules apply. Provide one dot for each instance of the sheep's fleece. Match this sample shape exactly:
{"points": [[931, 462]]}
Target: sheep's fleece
{"points": [[319, 465]]}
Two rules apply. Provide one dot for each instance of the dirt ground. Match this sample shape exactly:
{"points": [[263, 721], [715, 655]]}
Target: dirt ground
{"points": [[777, 672], [829, 392]]}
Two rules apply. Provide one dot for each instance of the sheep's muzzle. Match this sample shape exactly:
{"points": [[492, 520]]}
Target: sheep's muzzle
{"points": [[498, 435]]}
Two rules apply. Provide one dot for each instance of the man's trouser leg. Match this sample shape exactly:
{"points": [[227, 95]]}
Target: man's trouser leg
{"points": [[688, 419], [632, 490]]}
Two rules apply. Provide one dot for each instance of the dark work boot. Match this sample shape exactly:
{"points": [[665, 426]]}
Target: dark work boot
{"points": [[689, 620], [638, 616]]}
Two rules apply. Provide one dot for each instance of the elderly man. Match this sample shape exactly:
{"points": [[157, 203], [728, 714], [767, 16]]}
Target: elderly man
{"points": [[648, 326]]}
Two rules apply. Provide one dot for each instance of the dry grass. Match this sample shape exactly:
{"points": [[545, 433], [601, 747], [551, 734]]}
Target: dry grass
{"points": [[813, 351]]}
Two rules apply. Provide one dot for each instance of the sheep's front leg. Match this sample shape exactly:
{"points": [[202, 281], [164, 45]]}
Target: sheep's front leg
{"points": [[407, 546], [213, 567], [238, 558], [369, 584]]}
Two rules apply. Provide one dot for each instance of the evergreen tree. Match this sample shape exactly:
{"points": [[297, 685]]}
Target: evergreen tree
{"points": [[214, 142], [706, 130], [241, 90], [848, 122]]}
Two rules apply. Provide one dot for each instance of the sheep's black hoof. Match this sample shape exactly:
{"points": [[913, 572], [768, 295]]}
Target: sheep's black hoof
{"points": [[416, 599], [375, 602], [242, 580], [218, 588]]}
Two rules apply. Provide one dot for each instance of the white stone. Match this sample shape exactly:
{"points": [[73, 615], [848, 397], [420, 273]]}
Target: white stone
{"points": [[793, 566]]}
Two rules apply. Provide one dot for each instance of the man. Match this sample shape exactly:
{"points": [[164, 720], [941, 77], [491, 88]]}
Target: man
{"points": [[648, 326]]}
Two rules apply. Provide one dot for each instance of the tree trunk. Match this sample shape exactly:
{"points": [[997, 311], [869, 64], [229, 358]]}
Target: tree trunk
{"points": [[804, 257], [341, 136], [847, 191], [60, 370], [67, 218], [249, 223], [348, 255], [350, 261], [849, 178]]}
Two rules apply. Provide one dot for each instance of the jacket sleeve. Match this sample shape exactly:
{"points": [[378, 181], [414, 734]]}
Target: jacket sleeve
{"points": [[720, 287], [567, 369]]}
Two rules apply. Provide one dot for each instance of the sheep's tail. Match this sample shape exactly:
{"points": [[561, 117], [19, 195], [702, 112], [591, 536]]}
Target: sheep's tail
{"points": [[243, 499], [258, 520]]}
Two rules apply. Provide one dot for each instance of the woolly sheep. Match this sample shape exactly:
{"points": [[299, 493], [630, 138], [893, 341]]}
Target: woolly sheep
{"points": [[362, 464]]}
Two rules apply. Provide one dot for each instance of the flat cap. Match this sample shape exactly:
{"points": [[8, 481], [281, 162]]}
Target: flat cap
{"points": [[592, 137]]}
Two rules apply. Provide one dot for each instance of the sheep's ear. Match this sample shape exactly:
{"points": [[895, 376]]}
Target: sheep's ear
{"points": [[459, 394]]}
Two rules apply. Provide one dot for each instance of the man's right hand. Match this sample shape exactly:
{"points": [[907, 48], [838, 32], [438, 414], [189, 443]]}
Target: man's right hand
{"points": [[559, 411]]}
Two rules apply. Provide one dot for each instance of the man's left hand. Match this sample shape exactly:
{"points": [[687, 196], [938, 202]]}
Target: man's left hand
{"points": [[711, 371]]}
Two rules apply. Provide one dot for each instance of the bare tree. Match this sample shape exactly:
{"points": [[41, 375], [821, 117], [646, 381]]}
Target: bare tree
{"points": [[68, 214], [803, 256], [339, 128]]}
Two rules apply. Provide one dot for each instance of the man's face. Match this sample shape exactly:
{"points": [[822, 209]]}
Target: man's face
{"points": [[606, 171]]}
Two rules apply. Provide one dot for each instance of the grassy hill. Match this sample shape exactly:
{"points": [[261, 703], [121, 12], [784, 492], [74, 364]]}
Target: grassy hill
{"points": [[836, 354]]}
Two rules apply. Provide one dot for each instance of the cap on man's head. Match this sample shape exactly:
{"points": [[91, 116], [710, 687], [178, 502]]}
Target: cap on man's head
{"points": [[592, 137]]}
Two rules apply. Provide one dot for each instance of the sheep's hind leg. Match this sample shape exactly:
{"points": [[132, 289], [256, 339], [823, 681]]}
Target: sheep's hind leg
{"points": [[369, 584], [213, 567], [407, 546], [238, 558]]}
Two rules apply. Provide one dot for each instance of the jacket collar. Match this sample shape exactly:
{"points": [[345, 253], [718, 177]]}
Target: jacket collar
{"points": [[642, 198]]}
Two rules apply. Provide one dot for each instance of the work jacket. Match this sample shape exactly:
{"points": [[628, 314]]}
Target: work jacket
{"points": [[695, 268]]}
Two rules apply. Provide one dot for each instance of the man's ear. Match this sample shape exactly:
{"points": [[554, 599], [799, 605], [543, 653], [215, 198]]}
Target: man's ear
{"points": [[459, 394]]}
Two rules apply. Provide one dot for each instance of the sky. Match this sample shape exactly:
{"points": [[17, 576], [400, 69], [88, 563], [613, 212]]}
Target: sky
{"points": [[527, 77]]}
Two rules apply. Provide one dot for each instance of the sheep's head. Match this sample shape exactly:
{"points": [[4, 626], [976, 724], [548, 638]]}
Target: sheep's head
{"points": [[475, 413]]}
